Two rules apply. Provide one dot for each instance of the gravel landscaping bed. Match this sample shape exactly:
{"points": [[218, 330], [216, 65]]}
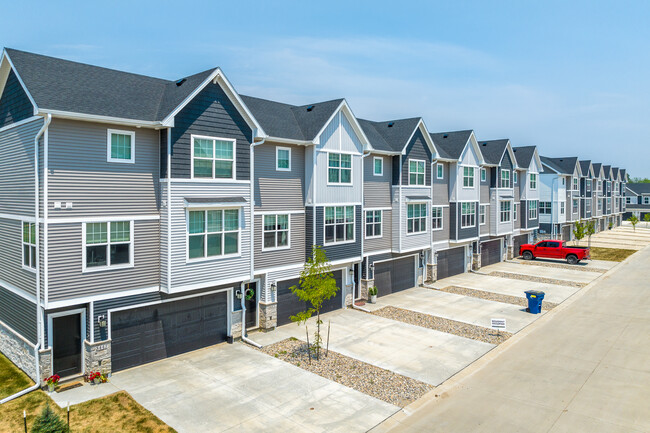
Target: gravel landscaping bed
{"points": [[376, 382], [491, 296], [559, 266], [449, 326], [514, 276]]}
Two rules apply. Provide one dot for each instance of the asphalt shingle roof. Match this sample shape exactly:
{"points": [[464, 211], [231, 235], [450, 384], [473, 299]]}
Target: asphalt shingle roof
{"points": [[63, 85], [639, 188], [584, 167], [492, 150], [615, 172], [608, 171], [623, 175], [450, 145], [564, 165], [524, 155], [597, 166], [390, 135]]}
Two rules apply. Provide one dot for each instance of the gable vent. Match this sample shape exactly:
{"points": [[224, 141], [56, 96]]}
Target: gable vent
{"points": [[311, 107], [390, 124], [484, 144], [445, 136], [181, 81]]}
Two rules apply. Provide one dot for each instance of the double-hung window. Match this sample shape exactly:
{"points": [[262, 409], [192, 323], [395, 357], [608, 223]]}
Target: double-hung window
{"points": [[212, 233], [283, 159], [515, 211], [436, 218], [373, 223], [108, 244], [416, 218], [505, 179], [481, 214], [504, 214], [416, 172], [378, 166], [533, 181], [575, 184], [213, 158], [483, 175], [575, 205], [628, 200], [29, 245], [532, 210], [588, 205], [121, 146], [467, 214], [440, 171], [562, 207], [339, 168], [468, 177], [276, 231], [544, 207], [339, 224]]}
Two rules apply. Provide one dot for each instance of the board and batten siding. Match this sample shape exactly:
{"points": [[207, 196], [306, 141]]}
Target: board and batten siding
{"points": [[210, 113], [17, 168], [376, 189], [279, 190], [67, 279], [18, 313], [11, 257], [284, 256], [417, 149], [14, 102], [341, 251], [211, 270], [384, 242], [79, 172]]}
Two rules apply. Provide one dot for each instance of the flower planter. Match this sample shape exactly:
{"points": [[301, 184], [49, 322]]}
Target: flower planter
{"points": [[373, 299], [97, 381], [50, 388]]}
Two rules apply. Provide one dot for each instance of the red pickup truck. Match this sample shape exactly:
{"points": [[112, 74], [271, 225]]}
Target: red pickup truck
{"points": [[554, 249]]}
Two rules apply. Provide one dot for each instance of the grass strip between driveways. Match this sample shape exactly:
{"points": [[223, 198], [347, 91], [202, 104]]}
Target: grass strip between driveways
{"points": [[611, 254], [491, 296], [114, 413]]}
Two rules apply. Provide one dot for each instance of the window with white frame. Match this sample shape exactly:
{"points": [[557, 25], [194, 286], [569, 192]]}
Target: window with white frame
{"points": [[108, 244], [483, 175], [212, 233], [588, 186], [575, 205], [339, 224], [646, 200], [339, 168], [575, 183], [588, 205], [283, 158], [213, 158], [440, 171], [467, 214], [609, 186], [468, 177], [373, 223], [29, 245], [533, 181], [378, 166], [504, 213], [562, 208], [416, 218], [609, 204], [417, 171], [505, 179], [628, 200], [544, 207], [599, 186], [121, 146], [482, 215], [532, 210], [515, 211], [436, 218], [515, 177], [563, 181], [276, 231]]}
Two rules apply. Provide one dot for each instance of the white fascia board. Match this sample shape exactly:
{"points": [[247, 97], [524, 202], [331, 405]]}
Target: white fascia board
{"points": [[345, 108], [472, 140], [100, 119], [427, 138], [280, 140], [512, 155], [5, 57]]}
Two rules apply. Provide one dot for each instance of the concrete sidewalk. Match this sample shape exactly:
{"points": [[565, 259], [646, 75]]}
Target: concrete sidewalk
{"points": [[582, 367]]}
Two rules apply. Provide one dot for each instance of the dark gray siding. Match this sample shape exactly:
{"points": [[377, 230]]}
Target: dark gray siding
{"points": [[530, 223], [11, 270], [344, 251], [279, 190], [453, 220], [468, 232], [14, 102], [506, 164], [309, 230], [210, 113], [395, 169], [417, 149], [281, 257], [163, 153], [18, 313]]}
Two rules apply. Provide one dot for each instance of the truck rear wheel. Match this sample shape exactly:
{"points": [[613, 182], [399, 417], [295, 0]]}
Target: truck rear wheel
{"points": [[527, 255], [572, 259]]}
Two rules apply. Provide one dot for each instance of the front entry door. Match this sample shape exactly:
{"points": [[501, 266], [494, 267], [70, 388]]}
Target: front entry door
{"points": [[251, 305], [66, 345]]}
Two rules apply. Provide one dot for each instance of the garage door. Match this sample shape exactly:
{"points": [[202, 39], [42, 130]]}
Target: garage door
{"points": [[518, 241], [566, 233], [451, 262], [395, 275], [289, 304], [146, 334], [491, 252]]}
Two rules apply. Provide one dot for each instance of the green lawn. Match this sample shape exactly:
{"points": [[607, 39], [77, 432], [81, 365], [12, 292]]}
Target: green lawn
{"points": [[114, 413], [611, 254]]}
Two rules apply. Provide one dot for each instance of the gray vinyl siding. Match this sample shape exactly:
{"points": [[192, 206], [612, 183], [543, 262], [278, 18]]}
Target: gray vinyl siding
{"points": [[485, 186], [385, 241], [440, 186], [11, 270], [309, 231], [267, 294], [281, 257], [516, 223], [530, 223], [485, 228], [376, 189], [396, 164], [417, 149], [210, 113], [342, 251], [17, 168], [67, 279], [453, 220], [163, 153], [442, 235], [279, 190], [14, 102], [18, 313], [97, 187]]}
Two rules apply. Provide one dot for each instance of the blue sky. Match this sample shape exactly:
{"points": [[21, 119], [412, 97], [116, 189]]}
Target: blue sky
{"points": [[570, 77]]}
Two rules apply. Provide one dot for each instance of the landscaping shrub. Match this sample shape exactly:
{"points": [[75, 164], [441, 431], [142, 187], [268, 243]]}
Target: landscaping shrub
{"points": [[49, 422]]}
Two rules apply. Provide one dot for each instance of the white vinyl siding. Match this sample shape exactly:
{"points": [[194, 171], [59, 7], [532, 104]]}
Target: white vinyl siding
{"points": [[213, 158]]}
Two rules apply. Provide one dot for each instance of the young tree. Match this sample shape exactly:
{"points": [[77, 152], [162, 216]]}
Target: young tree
{"points": [[317, 284], [49, 422], [580, 231], [633, 220], [590, 229], [646, 218]]}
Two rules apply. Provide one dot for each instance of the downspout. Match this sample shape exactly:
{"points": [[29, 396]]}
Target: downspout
{"points": [[169, 210], [363, 229], [39, 333]]}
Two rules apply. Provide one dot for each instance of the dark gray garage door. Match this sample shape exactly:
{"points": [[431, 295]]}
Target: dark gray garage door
{"points": [[289, 304], [147, 334], [566, 233], [395, 275], [451, 262], [518, 241], [491, 252]]}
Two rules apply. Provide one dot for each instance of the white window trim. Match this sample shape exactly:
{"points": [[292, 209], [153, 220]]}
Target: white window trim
{"points": [[365, 222], [442, 218], [374, 173], [276, 248], [354, 219], [502, 212], [108, 267], [515, 213], [462, 176], [211, 258], [646, 200], [484, 214], [424, 174], [469, 213], [234, 159], [438, 167], [535, 209], [277, 150], [501, 171], [22, 247], [483, 175], [562, 208], [426, 217], [530, 181], [109, 133], [327, 172], [515, 177]]}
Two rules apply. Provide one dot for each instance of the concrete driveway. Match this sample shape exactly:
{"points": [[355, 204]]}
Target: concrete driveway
{"points": [[577, 275], [237, 388]]}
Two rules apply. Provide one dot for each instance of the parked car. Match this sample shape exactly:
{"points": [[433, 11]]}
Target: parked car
{"points": [[554, 249]]}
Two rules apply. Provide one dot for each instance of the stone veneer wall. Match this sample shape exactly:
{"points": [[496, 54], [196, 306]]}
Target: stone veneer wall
{"points": [[235, 320], [18, 350], [432, 272], [268, 316], [97, 357], [365, 285], [476, 261]]}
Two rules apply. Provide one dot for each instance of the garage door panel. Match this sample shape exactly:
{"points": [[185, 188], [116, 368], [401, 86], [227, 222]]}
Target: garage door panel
{"points": [[491, 252], [518, 241], [395, 275], [289, 304], [450, 262]]}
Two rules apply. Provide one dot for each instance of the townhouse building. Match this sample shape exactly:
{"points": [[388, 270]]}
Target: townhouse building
{"points": [[586, 190], [526, 192], [637, 200], [559, 196], [598, 195]]}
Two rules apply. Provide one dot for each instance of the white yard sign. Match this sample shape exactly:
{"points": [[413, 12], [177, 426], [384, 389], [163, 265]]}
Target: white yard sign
{"points": [[498, 324]]}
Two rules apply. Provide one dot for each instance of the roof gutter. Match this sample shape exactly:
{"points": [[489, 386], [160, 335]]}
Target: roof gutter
{"points": [[100, 119]]}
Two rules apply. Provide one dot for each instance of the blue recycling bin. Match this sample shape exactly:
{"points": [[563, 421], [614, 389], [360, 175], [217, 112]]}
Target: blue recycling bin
{"points": [[535, 298]]}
